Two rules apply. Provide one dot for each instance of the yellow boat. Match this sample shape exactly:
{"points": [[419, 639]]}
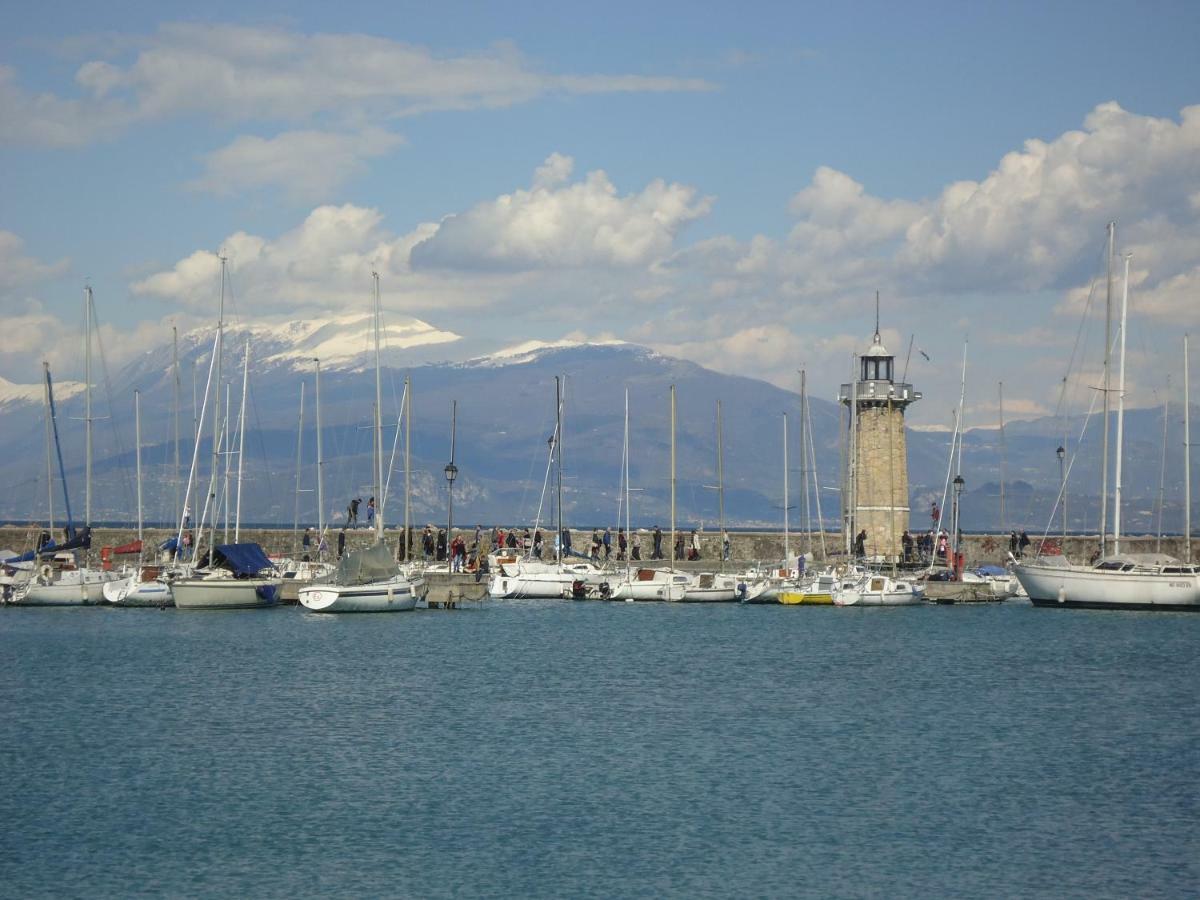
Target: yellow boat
{"points": [[814, 598], [819, 591]]}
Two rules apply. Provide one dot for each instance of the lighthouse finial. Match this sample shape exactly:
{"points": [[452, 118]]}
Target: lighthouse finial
{"points": [[877, 338]]}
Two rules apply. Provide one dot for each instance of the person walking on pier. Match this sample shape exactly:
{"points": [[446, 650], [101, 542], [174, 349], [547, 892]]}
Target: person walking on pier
{"points": [[607, 543], [906, 542], [1012, 542], [1022, 543], [726, 546], [679, 546], [371, 513], [622, 543], [657, 552], [860, 544], [352, 513], [306, 542], [695, 548]]}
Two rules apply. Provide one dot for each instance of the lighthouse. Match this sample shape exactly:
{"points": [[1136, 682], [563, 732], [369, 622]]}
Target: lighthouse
{"points": [[875, 488]]}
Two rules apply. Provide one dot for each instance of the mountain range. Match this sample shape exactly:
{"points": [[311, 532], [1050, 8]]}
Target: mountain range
{"points": [[505, 415]]}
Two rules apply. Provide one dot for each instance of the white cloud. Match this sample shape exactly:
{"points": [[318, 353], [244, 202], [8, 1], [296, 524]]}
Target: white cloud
{"points": [[240, 73], [557, 225], [18, 270], [308, 165]]}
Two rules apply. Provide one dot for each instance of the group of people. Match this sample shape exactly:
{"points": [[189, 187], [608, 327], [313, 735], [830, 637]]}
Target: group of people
{"points": [[352, 512]]}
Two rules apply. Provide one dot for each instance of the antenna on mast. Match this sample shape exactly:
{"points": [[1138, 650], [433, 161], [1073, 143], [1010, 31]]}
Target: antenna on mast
{"points": [[877, 338]]}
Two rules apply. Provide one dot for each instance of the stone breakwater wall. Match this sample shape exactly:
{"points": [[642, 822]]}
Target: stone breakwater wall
{"points": [[746, 546]]}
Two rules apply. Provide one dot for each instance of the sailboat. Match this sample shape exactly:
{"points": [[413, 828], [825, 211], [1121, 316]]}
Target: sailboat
{"points": [[369, 580], [1139, 581], [142, 585], [643, 583], [527, 578], [70, 584], [237, 575]]}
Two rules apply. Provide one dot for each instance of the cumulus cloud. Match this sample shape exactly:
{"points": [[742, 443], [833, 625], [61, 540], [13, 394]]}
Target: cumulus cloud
{"points": [[19, 270], [240, 73], [558, 225], [308, 165]]}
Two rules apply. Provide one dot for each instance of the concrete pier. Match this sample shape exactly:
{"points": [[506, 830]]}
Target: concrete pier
{"points": [[747, 547]]}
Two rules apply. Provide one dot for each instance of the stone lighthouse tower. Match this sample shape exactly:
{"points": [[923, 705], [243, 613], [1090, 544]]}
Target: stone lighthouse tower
{"points": [[875, 489]]}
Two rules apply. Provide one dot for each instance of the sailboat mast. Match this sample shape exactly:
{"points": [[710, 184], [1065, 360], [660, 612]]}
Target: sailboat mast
{"points": [[218, 352], [804, 467], [816, 481], [672, 476], [228, 455], [1003, 463], [49, 450], [558, 459], [299, 460], [62, 470], [175, 408], [320, 461], [628, 525], [1107, 366], [1187, 458], [408, 467], [1162, 470], [787, 546], [237, 519], [87, 415], [720, 472], [378, 418], [1120, 413], [137, 443]]}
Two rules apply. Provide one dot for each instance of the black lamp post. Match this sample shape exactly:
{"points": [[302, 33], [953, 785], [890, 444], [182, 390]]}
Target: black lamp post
{"points": [[959, 484], [451, 472], [1062, 489]]}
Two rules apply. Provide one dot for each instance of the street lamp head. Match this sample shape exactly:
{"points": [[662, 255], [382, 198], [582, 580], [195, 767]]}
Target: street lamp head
{"points": [[1060, 452], [451, 471], [959, 484]]}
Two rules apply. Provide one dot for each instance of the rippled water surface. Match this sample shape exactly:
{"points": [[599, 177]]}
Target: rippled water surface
{"points": [[588, 749]]}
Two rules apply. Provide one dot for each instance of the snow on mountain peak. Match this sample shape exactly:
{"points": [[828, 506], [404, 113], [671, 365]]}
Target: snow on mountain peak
{"points": [[11, 393], [528, 351], [338, 341]]}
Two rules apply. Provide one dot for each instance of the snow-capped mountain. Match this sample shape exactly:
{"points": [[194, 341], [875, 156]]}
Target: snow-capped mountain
{"points": [[505, 413]]}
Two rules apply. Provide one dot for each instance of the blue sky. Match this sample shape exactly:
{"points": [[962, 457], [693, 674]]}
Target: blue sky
{"points": [[727, 182]]}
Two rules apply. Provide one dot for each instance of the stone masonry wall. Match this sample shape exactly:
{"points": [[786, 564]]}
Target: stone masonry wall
{"points": [[882, 471]]}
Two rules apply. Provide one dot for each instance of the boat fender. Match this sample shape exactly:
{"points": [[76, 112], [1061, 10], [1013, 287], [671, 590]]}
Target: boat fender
{"points": [[46, 573]]}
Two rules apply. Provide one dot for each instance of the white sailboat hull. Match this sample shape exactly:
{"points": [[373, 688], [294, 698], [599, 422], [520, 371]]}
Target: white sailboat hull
{"points": [[660, 585], [132, 591], [708, 588], [398, 594], [880, 590], [1089, 588], [543, 582], [225, 593], [81, 587]]}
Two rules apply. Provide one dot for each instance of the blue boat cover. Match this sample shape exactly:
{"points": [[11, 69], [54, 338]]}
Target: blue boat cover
{"points": [[991, 570], [241, 559]]}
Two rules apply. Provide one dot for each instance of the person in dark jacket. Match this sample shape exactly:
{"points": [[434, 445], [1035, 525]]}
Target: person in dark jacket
{"points": [[657, 552]]}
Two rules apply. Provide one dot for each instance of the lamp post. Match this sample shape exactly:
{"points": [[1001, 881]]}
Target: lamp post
{"points": [[1062, 490], [451, 472], [959, 484]]}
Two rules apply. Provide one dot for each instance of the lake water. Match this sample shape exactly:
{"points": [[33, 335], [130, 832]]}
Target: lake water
{"points": [[565, 749]]}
